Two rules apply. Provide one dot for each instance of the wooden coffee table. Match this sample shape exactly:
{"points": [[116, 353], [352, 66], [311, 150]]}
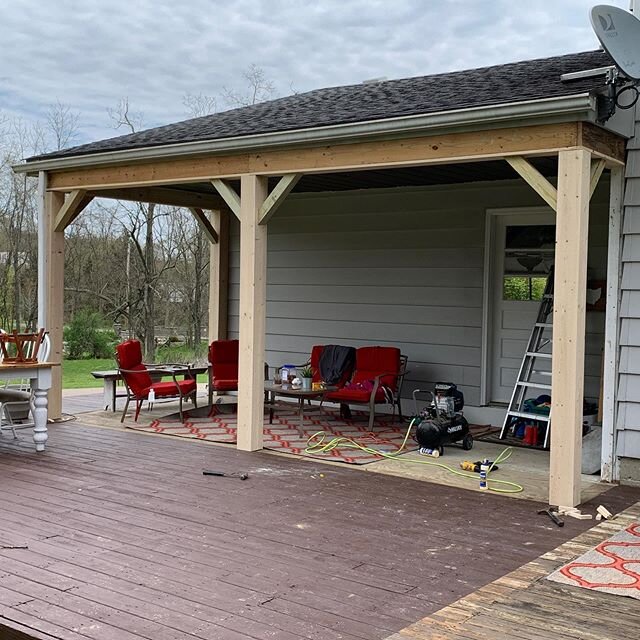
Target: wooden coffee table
{"points": [[287, 391]]}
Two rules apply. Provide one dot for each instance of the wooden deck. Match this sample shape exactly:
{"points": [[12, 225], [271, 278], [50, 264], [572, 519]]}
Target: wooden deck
{"points": [[114, 535], [524, 606]]}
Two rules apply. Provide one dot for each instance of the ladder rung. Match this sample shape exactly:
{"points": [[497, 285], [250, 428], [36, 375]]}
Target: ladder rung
{"points": [[542, 373], [535, 354], [547, 325], [531, 416], [535, 385]]}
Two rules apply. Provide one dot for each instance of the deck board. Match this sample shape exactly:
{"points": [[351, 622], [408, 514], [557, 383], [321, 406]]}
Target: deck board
{"points": [[115, 534]]}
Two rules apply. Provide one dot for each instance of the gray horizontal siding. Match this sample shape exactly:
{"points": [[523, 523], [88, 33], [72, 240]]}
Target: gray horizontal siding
{"points": [[628, 391], [402, 267]]}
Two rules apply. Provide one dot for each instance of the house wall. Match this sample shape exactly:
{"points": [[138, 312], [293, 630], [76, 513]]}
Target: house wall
{"points": [[628, 410], [396, 266]]}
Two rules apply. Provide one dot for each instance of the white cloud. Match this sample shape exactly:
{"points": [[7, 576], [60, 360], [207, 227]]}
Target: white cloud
{"points": [[89, 54]]}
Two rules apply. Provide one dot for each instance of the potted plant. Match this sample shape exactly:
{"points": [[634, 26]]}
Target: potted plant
{"points": [[306, 373]]}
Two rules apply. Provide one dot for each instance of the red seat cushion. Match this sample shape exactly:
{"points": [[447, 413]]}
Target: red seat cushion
{"points": [[165, 389], [316, 352], [372, 361], [224, 385], [347, 395], [129, 354], [129, 357], [223, 356]]}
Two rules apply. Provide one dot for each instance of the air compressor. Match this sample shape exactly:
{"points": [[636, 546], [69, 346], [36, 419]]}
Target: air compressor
{"points": [[442, 422]]}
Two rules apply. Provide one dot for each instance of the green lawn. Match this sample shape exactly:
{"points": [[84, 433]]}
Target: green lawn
{"points": [[76, 374]]}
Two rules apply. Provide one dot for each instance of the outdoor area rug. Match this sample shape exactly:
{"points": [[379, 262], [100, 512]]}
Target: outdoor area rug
{"points": [[216, 425], [613, 566]]}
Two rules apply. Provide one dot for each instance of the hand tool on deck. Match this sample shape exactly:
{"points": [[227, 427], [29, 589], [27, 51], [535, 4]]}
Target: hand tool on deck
{"points": [[242, 476], [553, 515]]}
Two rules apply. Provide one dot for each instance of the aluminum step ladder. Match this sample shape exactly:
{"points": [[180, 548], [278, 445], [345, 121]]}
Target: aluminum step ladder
{"points": [[539, 339]]}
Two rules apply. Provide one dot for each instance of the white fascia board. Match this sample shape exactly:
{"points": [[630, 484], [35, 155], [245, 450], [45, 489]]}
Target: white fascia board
{"points": [[567, 108]]}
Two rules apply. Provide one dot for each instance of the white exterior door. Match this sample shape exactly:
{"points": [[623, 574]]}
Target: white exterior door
{"points": [[523, 249]]}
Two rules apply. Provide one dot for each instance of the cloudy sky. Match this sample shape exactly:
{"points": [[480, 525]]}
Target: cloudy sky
{"points": [[89, 54]]}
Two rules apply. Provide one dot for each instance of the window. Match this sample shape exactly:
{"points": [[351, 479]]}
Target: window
{"points": [[523, 287], [528, 257]]}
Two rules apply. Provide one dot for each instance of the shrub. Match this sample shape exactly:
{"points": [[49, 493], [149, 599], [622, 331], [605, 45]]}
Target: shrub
{"points": [[86, 337]]}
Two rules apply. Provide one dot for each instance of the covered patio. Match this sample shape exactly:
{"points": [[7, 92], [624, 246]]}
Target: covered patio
{"points": [[449, 165], [578, 151]]}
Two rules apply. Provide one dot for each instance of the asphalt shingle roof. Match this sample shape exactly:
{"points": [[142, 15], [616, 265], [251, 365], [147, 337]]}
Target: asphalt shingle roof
{"points": [[514, 82]]}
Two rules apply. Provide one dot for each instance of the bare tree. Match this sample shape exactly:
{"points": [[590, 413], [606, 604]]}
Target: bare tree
{"points": [[258, 88], [122, 116], [199, 104], [62, 124], [95, 250], [139, 224], [18, 206]]}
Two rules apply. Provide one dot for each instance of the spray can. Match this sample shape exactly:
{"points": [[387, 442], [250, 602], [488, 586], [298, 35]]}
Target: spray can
{"points": [[425, 451], [484, 469]]}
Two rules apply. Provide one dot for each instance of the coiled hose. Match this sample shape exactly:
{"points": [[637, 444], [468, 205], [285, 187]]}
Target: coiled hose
{"points": [[318, 444]]}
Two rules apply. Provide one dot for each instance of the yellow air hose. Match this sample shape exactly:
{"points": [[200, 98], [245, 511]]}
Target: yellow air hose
{"points": [[316, 445]]}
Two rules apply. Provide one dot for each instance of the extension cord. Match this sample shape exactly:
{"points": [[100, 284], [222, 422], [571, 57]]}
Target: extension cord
{"points": [[316, 445]]}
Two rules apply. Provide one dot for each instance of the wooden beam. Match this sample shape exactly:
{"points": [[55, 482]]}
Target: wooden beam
{"points": [[219, 277], [442, 148], [253, 302], [569, 305], [602, 143], [204, 223], [231, 198], [609, 471], [163, 195], [535, 180], [74, 203], [53, 320], [597, 167], [278, 196]]}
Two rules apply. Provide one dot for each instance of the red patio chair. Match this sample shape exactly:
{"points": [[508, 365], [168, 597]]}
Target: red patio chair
{"points": [[223, 369], [377, 369], [139, 384]]}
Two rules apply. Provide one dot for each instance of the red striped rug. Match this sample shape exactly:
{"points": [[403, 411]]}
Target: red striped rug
{"points": [[285, 434]]}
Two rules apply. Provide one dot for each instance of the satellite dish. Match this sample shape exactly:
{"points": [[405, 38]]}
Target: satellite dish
{"points": [[619, 33]]}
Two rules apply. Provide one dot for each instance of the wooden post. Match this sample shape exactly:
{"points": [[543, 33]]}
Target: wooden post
{"points": [[219, 277], [570, 292], [609, 471], [253, 294], [53, 295]]}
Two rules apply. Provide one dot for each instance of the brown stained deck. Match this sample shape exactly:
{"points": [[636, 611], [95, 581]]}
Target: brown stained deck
{"points": [[114, 535], [524, 606]]}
